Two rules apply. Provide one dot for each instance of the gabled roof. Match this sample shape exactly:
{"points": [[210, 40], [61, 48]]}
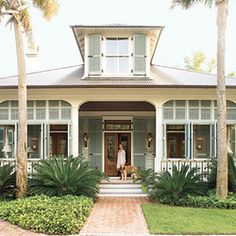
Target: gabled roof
{"points": [[154, 32], [160, 77]]}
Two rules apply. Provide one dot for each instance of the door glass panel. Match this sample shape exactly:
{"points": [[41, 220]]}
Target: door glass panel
{"points": [[111, 148], [34, 141]]}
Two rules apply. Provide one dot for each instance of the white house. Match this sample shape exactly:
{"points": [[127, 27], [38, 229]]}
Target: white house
{"points": [[161, 115]]}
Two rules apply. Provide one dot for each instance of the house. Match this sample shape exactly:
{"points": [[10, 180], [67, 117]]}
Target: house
{"points": [[161, 115]]}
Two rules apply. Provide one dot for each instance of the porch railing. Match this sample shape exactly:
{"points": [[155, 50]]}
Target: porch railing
{"points": [[31, 163]]}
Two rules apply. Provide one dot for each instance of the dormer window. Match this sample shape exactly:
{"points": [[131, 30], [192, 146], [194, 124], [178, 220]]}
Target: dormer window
{"points": [[117, 56]]}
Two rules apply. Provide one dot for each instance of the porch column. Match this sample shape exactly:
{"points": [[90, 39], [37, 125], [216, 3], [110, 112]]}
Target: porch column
{"points": [[75, 131], [159, 141]]}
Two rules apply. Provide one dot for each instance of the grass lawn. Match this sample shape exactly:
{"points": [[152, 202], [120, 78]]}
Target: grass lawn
{"points": [[163, 219]]}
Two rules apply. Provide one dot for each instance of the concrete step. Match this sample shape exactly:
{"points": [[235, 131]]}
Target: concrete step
{"points": [[122, 195], [121, 190], [119, 186]]}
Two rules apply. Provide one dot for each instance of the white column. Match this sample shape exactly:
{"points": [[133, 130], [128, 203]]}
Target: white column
{"points": [[75, 131], [159, 141]]}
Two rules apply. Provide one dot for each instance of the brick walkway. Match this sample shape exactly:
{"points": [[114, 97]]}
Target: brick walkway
{"points": [[116, 216]]}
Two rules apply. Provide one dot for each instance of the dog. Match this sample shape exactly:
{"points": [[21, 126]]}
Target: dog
{"points": [[125, 170]]}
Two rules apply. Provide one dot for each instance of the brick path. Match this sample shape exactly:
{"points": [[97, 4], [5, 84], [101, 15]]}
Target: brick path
{"points": [[116, 216]]}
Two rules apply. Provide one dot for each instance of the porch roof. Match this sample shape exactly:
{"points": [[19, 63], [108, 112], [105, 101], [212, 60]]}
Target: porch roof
{"points": [[160, 77]]}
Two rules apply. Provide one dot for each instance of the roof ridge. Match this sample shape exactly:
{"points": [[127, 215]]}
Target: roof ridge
{"points": [[183, 69], [42, 71]]}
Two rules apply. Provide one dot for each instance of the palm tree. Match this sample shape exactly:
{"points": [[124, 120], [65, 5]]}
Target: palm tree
{"points": [[222, 170], [18, 12]]}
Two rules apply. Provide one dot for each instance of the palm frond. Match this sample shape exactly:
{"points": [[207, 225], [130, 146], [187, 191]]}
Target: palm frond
{"points": [[49, 8], [59, 177], [186, 4]]}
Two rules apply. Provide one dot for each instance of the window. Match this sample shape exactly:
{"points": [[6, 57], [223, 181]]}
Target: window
{"points": [[231, 139], [117, 56], [201, 141], [118, 125], [175, 141]]}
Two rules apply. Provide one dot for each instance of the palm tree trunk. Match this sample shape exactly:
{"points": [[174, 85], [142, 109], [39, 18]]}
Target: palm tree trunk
{"points": [[21, 174], [222, 166]]}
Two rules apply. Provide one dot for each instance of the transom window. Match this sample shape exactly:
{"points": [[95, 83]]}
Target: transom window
{"points": [[117, 125], [117, 55]]}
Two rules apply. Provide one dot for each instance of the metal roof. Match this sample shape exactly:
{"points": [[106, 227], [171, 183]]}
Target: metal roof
{"points": [[160, 77]]}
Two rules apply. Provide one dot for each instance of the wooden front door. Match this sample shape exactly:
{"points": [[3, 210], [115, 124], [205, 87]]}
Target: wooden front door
{"points": [[175, 145], [112, 141], [59, 144]]}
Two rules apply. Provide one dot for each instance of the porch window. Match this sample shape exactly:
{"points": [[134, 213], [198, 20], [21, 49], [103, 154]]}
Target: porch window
{"points": [[34, 141], [175, 141], [175, 110], [58, 140], [6, 142], [117, 56], [201, 141]]}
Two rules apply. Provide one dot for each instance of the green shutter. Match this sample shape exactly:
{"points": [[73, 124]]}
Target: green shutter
{"points": [[188, 140], [94, 54], [139, 54], [164, 144]]}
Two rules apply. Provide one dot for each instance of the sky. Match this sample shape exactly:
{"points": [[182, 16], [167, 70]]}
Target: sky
{"points": [[185, 32]]}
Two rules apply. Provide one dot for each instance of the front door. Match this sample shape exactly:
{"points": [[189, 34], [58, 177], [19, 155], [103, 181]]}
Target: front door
{"points": [[112, 141]]}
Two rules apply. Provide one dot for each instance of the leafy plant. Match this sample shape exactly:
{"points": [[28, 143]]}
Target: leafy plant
{"points": [[170, 188], [231, 174], [210, 201], [147, 178], [7, 181], [59, 177], [51, 215]]}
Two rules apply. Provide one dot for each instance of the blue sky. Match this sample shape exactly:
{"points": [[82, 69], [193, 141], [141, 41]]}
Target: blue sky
{"points": [[185, 31]]}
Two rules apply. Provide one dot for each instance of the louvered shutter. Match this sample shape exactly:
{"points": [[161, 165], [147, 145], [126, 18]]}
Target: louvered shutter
{"points": [[94, 54], [139, 54], [188, 140], [214, 140]]}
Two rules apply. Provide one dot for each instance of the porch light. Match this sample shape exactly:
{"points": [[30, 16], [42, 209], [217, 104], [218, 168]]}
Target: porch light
{"points": [[149, 140], [34, 144], [199, 143], [85, 140]]}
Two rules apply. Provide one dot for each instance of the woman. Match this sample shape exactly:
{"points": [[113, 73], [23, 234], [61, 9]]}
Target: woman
{"points": [[120, 157]]}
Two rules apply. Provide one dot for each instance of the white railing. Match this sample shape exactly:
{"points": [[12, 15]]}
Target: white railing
{"points": [[31, 163], [202, 164]]}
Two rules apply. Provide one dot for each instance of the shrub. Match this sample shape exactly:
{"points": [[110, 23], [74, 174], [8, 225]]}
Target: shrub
{"points": [[170, 188], [7, 181], [209, 202], [59, 177], [147, 178], [231, 174], [55, 215]]}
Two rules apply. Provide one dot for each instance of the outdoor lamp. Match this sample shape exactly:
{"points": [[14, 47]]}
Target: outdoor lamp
{"points": [[6, 149], [149, 140]]}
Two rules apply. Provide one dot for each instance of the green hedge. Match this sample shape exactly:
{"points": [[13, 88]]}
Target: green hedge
{"points": [[51, 215], [209, 202]]}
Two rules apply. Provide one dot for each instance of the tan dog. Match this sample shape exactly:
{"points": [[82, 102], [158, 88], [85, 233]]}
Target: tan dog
{"points": [[125, 170]]}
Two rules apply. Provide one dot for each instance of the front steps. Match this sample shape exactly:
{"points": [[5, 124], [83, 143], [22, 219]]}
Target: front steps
{"points": [[118, 188]]}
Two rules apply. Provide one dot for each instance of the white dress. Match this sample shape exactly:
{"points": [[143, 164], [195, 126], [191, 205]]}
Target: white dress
{"points": [[120, 158]]}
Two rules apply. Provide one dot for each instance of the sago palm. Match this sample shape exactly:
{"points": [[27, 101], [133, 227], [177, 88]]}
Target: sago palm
{"points": [[18, 13], [7, 181], [222, 9], [170, 188], [58, 177]]}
